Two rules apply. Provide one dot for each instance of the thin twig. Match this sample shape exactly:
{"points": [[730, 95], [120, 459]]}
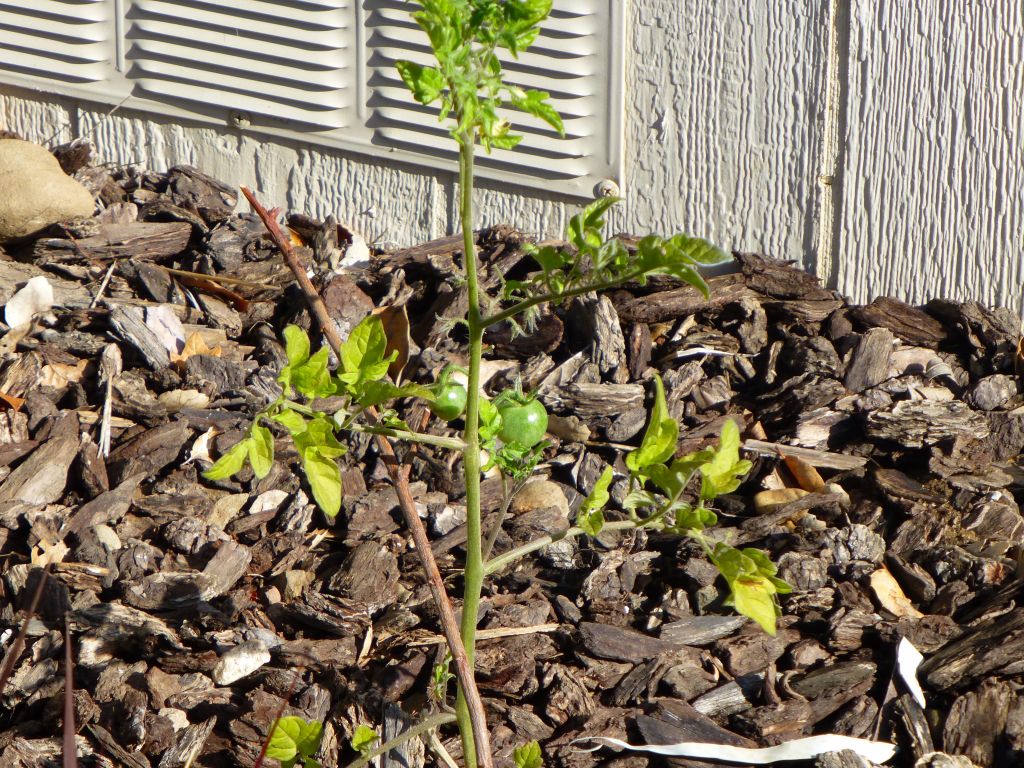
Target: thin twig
{"points": [[495, 633], [70, 748], [449, 623], [219, 279]]}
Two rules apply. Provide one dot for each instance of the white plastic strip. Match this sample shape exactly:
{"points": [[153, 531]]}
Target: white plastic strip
{"points": [[908, 659], [798, 749]]}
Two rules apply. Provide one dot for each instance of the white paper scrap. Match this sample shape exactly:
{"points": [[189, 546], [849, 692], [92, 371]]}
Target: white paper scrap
{"points": [[798, 749], [34, 298], [908, 659]]}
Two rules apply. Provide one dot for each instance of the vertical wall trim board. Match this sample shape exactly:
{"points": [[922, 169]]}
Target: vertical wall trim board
{"points": [[831, 175]]}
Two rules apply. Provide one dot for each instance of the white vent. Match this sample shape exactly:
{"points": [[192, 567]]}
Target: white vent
{"points": [[60, 41], [577, 59], [322, 72], [289, 60]]}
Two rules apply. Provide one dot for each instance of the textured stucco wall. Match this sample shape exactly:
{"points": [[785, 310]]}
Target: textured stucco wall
{"points": [[879, 144], [933, 194]]}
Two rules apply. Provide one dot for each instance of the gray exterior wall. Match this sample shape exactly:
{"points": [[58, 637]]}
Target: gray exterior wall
{"points": [[878, 144]]}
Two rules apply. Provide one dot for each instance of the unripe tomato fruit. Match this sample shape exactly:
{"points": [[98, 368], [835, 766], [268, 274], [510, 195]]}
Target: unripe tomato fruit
{"points": [[523, 423], [449, 401]]}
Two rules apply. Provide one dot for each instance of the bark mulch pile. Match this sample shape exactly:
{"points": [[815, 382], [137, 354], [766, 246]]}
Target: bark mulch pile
{"points": [[884, 437]]}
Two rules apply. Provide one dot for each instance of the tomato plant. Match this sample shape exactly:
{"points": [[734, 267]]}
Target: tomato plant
{"points": [[465, 36]]}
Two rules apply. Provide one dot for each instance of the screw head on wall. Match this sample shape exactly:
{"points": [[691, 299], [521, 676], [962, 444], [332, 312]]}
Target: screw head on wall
{"points": [[606, 188], [239, 119]]}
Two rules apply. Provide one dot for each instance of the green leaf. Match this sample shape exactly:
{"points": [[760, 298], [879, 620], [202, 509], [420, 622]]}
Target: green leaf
{"points": [[490, 420], [364, 354], [528, 756], [324, 480], [290, 420], [591, 516], [696, 249], [754, 597], [230, 462], [536, 103], [674, 478], [659, 442], [319, 434], [296, 345], [294, 738], [377, 392], [725, 471], [261, 450], [312, 378], [585, 227], [505, 141], [426, 83], [363, 739]]}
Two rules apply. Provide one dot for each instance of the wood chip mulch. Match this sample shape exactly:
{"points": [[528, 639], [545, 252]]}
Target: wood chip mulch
{"points": [[197, 609]]}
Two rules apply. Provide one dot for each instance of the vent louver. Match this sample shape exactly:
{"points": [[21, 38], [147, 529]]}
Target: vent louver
{"points": [[287, 60], [322, 72], [575, 59], [66, 41]]}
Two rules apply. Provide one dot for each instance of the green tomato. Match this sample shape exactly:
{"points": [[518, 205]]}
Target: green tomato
{"points": [[523, 423], [449, 401]]}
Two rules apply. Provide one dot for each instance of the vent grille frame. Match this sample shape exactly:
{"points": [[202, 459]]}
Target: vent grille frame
{"points": [[326, 77]]}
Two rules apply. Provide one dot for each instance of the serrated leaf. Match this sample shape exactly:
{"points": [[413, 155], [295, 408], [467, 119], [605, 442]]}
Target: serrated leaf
{"points": [[659, 441], [591, 515], [363, 739], [324, 479], [230, 462], [261, 450], [697, 249], [425, 83], [506, 141], [528, 756], [536, 103]]}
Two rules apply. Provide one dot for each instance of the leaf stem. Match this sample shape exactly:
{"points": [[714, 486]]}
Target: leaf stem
{"points": [[499, 562], [525, 304], [451, 443], [428, 724]]}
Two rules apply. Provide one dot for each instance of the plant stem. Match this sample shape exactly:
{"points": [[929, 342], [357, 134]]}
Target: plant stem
{"points": [[451, 443], [474, 573], [499, 562], [525, 304], [429, 724]]}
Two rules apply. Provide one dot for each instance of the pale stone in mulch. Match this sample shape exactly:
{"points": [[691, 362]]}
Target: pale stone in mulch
{"points": [[35, 192]]}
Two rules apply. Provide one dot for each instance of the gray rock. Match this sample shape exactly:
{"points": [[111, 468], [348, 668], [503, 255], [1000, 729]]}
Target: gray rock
{"points": [[993, 392], [35, 192]]}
